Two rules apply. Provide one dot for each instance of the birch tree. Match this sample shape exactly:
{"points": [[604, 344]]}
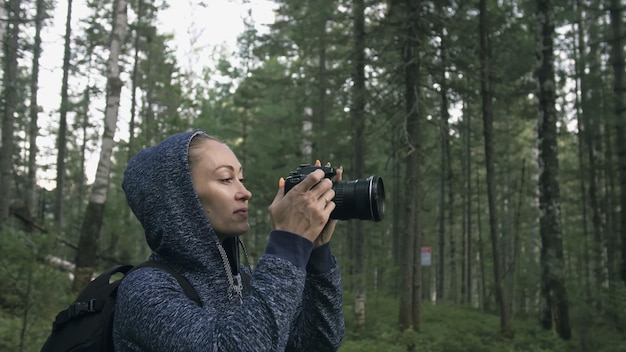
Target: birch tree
{"points": [[92, 221], [554, 309]]}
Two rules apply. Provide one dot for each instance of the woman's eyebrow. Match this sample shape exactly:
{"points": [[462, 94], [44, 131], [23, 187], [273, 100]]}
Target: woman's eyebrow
{"points": [[225, 166], [229, 167]]}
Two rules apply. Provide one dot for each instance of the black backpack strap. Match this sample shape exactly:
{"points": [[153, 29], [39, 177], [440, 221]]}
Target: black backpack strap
{"points": [[93, 297], [182, 281]]}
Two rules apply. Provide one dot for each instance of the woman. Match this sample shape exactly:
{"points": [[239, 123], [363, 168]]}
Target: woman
{"points": [[188, 193]]}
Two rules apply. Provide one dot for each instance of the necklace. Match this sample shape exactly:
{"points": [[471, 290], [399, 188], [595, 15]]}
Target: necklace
{"points": [[235, 284]]}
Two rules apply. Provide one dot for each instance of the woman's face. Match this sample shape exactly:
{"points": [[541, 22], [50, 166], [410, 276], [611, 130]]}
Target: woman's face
{"points": [[218, 179]]}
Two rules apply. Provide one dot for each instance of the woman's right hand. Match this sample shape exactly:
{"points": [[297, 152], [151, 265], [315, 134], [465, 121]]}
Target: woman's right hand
{"points": [[306, 208]]}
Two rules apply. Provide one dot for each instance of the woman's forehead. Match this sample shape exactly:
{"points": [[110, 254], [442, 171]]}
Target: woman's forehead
{"points": [[218, 153]]}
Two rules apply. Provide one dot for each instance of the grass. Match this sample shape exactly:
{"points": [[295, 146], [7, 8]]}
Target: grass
{"points": [[455, 328]]}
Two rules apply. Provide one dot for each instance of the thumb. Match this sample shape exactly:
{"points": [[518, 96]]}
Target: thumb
{"points": [[279, 195]]}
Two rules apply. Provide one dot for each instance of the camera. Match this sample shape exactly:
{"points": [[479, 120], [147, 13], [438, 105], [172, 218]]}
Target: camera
{"points": [[362, 199]]}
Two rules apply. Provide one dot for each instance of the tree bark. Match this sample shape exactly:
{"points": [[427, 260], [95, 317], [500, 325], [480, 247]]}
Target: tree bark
{"points": [[555, 306], [586, 278], [487, 95], [321, 112], [446, 201], [33, 129], [410, 299], [443, 180], [619, 89], [62, 134], [358, 164], [592, 141], [135, 82], [10, 81], [92, 222], [467, 206]]}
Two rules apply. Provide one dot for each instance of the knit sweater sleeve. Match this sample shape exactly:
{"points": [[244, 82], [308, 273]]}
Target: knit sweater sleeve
{"points": [[153, 313], [319, 325]]}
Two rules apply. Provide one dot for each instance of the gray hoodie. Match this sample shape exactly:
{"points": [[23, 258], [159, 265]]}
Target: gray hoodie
{"points": [[292, 303]]}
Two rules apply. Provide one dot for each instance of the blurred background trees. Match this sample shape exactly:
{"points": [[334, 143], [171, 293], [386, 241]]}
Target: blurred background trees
{"points": [[498, 128]]}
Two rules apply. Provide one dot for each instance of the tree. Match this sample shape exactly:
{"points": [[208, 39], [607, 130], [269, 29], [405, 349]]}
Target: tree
{"points": [[92, 222], [494, 227], [358, 161], [555, 306], [446, 194], [619, 91], [410, 300], [10, 81], [135, 79], [61, 137], [33, 130]]}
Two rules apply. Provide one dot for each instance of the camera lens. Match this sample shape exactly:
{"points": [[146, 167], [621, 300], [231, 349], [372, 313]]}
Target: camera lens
{"points": [[362, 199]]}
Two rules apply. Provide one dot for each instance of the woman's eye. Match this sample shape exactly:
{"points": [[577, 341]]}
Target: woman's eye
{"points": [[226, 180], [242, 180]]}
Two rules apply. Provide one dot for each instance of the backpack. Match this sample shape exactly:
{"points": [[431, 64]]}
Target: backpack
{"points": [[87, 324]]}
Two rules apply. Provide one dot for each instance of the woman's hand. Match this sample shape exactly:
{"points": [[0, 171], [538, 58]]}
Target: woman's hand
{"points": [[306, 208], [328, 230]]}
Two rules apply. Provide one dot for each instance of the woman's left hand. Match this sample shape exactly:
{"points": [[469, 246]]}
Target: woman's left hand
{"points": [[327, 233]]}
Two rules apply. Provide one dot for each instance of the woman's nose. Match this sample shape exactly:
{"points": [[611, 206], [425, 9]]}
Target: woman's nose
{"points": [[244, 193]]}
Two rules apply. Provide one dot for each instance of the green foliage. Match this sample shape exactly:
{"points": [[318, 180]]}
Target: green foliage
{"points": [[600, 324], [445, 328], [31, 291]]}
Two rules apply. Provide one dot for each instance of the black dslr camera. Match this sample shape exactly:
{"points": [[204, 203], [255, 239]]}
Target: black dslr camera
{"points": [[362, 199]]}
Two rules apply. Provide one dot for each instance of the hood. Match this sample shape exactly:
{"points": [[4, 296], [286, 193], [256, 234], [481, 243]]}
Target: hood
{"points": [[160, 192]]}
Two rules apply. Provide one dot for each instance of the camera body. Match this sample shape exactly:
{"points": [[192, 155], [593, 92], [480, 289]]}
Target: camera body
{"points": [[362, 199], [296, 176]]}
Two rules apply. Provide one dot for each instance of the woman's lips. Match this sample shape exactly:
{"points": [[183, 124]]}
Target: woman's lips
{"points": [[242, 211]]}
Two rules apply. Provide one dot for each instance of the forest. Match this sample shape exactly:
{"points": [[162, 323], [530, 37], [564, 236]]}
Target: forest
{"points": [[498, 127]]}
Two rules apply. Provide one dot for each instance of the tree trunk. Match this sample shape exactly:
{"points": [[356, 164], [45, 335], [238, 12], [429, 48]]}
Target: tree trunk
{"points": [[443, 144], [588, 129], [517, 236], [92, 222], [358, 164], [482, 291], [33, 129], [410, 299], [578, 43], [3, 14], [446, 196], [486, 93], [555, 306], [62, 134], [10, 80], [619, 89], [467, 212], [135, 83], [396, 199], [322, 77]]}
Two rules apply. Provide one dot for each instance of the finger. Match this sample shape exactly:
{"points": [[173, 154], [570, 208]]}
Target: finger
{"points": [[329, 195], [281, 189], [311, 180], [327, 198], [318, 162], [339, 173], [330, 206]]}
